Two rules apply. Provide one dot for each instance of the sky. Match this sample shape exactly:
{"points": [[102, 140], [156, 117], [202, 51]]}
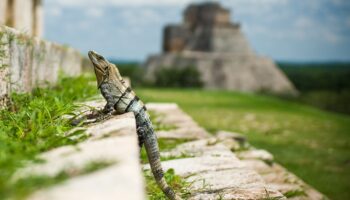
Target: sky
{"points": [[286, 30]]}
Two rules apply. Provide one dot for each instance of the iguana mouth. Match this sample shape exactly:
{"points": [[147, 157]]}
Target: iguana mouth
{"points": [[93, 57], [99, 66]]}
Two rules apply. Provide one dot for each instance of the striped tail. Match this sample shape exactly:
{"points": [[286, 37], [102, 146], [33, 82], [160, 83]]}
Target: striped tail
{"points": [[152, 150]]}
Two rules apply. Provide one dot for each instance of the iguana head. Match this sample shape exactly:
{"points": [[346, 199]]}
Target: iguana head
{"points": [[103, 69], [108, 73]]}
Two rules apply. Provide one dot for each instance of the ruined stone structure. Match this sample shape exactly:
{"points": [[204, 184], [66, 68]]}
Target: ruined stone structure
{"points": [[28, 62], [208, 41], [23, 15]]}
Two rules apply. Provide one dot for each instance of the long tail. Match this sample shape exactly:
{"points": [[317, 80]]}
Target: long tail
{"points": [[152, 149]]}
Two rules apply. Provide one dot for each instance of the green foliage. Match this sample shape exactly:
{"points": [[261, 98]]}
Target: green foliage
{"points": [[178, 77], [294, 193], [326, 76], [133, 71], [164, 77], [175, 182], [326, 85], [312, 143], [336, 101], [34, 124]]}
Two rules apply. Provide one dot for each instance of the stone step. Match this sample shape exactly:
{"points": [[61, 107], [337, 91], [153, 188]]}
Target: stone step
{"points": [[281, 179], [112, 142], [274, 175], [184, 126], [228, 165], [216, 173]]}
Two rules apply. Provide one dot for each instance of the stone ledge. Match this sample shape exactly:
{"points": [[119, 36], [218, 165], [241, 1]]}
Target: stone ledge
{"points": [[113, 141], [218, 173], [171, 114]]}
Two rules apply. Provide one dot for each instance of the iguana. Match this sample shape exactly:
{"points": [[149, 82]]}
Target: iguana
{"points": [[122, 99]]}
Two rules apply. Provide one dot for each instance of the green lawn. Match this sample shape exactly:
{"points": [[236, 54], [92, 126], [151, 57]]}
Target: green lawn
{"points": [[311, 143]]}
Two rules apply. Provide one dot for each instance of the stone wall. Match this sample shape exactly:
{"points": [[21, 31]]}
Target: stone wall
{"points": [[206, 27], [23, 15], [229, 39], [249, 73], [206, 14], [27, 62], [174, 38]]}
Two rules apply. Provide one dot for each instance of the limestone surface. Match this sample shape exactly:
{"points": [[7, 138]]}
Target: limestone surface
{"points": [[27, 62], [220, 166], [183, 125], [23, 15], [114, 142], [216, 172], [226, 166]]}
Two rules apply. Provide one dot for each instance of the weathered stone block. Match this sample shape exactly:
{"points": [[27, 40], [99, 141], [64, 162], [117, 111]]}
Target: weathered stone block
{"points": [[70, 58], [23, 15], [174, 38], [247, 73], [4, 66], [184, 126], [27, 62], [113, 141]]}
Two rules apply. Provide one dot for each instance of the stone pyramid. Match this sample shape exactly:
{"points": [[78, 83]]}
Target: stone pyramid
{"points": [[219, 50]]}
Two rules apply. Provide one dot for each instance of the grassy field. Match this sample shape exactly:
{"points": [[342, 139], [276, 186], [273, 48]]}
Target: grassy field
{"points": [[311, 143]]}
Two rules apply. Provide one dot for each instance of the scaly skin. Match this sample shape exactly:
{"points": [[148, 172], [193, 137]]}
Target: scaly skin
{"points": [[122, 99]]}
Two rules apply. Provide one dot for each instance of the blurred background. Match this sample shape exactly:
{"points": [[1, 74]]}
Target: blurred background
{"points": [[304, 31], [309, 40], [277, 71]]}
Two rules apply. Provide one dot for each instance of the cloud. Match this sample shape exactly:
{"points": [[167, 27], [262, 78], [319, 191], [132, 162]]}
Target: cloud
{"points": [[140, 17], [347, 22], [73, 3], [340, 2], [94, 12], [332, 37], [54, 11], [87, 3], [303, 23]]}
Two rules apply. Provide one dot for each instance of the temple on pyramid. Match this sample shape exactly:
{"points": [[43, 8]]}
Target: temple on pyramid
{"points": [[209, 41]]}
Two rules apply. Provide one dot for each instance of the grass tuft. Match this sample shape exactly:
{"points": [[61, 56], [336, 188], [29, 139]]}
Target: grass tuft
{"points": [[175, 182], [33, 124]]}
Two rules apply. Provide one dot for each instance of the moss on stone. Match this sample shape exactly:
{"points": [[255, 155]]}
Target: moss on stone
{"points": [[157, 125], [294, 193]]}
